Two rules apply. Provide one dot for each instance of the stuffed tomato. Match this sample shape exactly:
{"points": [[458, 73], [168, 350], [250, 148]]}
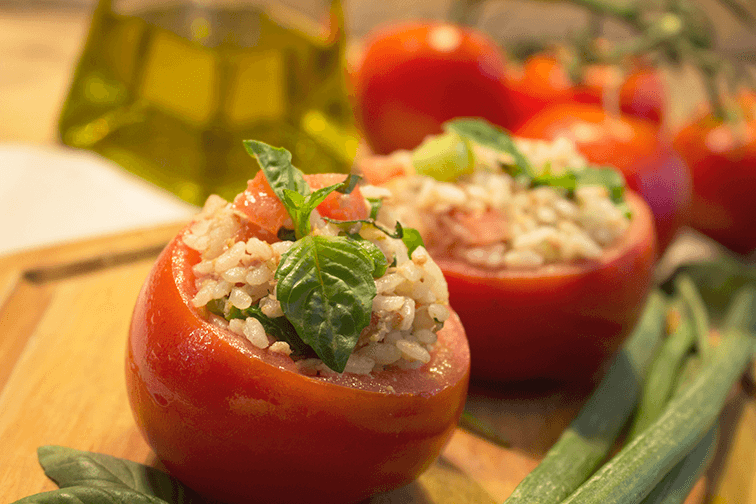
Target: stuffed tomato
{"points": [[548, 258], [286, 348]]}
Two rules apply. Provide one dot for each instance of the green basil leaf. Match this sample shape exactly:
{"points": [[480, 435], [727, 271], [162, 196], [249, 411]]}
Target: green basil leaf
{"points": [[217, 306], [381, 264], [285, 234], [278, 327], [610, 178], [486, 134], [412, 239], [301, 207], [375, 207], [346, 225], [275, 164], [349, 184], [92, 495], [326, 289], [75, 468]]}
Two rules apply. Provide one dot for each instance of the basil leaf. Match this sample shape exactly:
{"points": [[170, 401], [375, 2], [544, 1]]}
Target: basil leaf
{"points": [[486, 134], [285, 234], [346, 225], [412, 239], [610, 178], [375, 207], [115, 476], [217, 306], [92, 495], [326, 289], [301, 207], [381, 264], [275, 164], [278, 327], [349, 184]]}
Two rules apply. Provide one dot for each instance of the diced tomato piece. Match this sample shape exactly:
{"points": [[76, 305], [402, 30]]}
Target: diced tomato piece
{"points": [[380, 169], [266, 211]]}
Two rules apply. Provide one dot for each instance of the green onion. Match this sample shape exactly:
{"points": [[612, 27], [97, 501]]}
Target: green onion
{"points": [[660, 381], [678, 483], [689, 294], [590, 437], [638, 467]]}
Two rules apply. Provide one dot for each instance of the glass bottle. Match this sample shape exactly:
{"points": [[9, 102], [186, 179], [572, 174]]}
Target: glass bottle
{"points": [[169, 90]]}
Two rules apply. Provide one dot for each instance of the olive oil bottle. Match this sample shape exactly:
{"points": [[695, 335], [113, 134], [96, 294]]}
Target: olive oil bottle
{"points": [[170, 93]]}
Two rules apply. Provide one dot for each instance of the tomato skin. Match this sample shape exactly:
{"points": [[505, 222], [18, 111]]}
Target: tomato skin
{"points": [[642, 92], [415, 76], [242, 425], [638, 148], [543, 82], [559, 322], [722, 160]]}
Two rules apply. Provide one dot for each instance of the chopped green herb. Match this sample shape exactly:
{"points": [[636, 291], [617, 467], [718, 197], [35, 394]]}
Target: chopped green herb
{"points": [[375, 207], [486, 134], [326, 290], [279, 327], [412, 239]]}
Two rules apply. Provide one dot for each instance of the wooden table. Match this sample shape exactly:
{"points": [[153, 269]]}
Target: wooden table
{"points": [[64, 314]]}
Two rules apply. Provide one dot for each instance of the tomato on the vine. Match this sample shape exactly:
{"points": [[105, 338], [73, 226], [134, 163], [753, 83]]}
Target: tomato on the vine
{"points": [[722, 158], [243, 424], [636, 147], [413, 77], [543, 81]]}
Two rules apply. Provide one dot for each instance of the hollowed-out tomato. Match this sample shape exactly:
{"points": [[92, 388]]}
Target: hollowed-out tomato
{"points": [[560, 321], [414, 76], [722, 159], [242, 425], [636, 147]]}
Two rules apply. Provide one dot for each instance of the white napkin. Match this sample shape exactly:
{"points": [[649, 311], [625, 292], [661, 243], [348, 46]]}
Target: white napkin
{"points": [[55, 194]]}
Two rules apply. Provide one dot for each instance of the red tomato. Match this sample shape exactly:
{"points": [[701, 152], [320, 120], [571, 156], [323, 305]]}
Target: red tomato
{"points": [[559, 321], [722, 160], [642, 92], [635, 146], [544, 82], [415, 76], [266, 212], [242, 425]]}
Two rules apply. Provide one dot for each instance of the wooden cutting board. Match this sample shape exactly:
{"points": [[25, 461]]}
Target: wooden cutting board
{"points": [[64, 314]]}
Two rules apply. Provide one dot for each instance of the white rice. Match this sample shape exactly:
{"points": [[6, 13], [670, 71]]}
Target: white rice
{"points": [[537, 226], [410, 307]]}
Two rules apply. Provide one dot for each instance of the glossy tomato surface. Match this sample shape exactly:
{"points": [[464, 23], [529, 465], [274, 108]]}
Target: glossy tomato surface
{"points": [[543, 81], [242, 425], [558, 322], [722, 159], [636, 147], [414, 76]]}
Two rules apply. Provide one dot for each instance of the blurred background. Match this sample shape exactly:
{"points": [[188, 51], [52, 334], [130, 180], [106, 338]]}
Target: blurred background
{"points": [[51, 97]]}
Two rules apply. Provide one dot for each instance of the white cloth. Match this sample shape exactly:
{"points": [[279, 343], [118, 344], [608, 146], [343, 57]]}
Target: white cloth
{"points": [[54, 194]]}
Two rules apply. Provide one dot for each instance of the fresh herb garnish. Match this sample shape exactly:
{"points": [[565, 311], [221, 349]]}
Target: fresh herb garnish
{"points": [[88, 477], [278, 327], [488, 135], [484, 133], [326, 289], [412, 239], [325, 283], [375, 207]]}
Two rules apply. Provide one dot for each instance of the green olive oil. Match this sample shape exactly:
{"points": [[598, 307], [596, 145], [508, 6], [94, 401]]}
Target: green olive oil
{"points": [[170, 94]]}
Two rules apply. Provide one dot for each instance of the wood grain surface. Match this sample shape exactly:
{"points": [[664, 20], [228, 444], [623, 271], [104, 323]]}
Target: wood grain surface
{"points": [[64, 315]]}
